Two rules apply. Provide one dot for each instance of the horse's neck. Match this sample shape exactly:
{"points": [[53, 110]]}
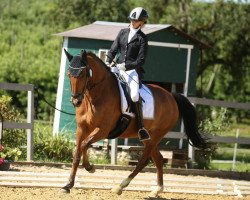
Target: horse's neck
{"points": [[101, 80]]}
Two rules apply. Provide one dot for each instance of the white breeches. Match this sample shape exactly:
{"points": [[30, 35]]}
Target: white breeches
{"points": [[132, 79]]}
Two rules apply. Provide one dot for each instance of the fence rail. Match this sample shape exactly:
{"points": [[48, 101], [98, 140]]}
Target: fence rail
{"points": [[29, 125], [225, 104], [212, 138]]}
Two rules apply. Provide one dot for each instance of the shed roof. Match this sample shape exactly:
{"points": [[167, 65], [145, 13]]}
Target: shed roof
{"points": [[103, 30]]}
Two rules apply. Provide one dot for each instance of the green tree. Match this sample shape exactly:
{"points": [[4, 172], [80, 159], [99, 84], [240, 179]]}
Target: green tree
{"points": [[29, 52], [225, 26]]}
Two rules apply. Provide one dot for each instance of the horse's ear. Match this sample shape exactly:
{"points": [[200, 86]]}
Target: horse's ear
{"points": [[83, 55], [69, 56]]}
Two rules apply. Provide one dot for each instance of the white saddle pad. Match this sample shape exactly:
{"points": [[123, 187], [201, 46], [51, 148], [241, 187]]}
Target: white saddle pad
{"points": [[147, 104]]}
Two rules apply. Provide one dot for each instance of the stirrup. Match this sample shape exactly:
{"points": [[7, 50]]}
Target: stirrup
{"points": [[143, 134]]}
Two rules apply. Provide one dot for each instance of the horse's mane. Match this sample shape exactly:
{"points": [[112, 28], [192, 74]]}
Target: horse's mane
{"points": [[93, 55], [98, 59]]}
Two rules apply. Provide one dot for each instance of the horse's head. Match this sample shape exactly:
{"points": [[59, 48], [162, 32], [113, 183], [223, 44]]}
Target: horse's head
{"points": [[78, 73]]}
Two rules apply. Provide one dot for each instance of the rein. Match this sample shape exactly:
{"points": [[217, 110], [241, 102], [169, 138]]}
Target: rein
{"points": [[45, 100]]}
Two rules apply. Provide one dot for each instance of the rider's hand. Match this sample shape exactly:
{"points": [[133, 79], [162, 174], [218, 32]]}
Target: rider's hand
{"points": [[121, 66], [115, 69], [108, 64]]}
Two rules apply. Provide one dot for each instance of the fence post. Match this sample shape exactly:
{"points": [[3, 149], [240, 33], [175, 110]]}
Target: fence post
{"points": [[30, 119], [191, 148], [114, 143], [235, 149]]}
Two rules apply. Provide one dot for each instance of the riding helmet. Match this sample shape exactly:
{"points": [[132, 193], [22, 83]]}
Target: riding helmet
{"points": [[138, 13]]}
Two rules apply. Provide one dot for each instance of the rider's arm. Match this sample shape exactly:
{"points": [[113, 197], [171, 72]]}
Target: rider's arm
{"points": [[114, 49]]}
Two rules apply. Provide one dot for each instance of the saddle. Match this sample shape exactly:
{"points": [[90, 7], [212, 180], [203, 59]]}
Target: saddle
{"points": [[127, 106]]}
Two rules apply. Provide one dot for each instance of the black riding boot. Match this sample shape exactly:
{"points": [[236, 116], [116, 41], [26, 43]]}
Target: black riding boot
{"points": [[142, 133]]}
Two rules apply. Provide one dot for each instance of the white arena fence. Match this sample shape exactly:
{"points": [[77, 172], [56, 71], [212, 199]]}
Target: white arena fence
{"points": [[106, 181]]}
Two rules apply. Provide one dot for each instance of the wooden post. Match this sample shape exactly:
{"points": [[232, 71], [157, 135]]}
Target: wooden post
{"points": [[191, 149], [185, 92], [126, 142], [30, 119], [114, 144], [235, 149]]}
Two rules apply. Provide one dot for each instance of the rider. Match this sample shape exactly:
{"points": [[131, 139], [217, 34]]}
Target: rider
{"points": [[132, 45]]}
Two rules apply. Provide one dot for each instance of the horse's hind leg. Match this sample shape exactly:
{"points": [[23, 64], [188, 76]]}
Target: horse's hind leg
{"points": [[158, 160], [76, 161], [141, 164]]}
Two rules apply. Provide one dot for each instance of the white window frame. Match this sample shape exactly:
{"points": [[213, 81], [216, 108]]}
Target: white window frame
{"points": [[105, 52]]}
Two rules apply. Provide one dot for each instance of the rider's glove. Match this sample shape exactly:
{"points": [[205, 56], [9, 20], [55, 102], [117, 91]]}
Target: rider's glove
{"points": [[115, 69], [121, 66], [108, 64]]}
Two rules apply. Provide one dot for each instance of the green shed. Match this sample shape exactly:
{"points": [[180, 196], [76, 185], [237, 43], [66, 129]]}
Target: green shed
{"points": [[171, 61]]}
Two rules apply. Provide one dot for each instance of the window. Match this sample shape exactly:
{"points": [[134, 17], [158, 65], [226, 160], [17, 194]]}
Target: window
{"points": [[102, 54]]}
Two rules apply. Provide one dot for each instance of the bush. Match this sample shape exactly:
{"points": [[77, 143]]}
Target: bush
{"points": [[212, 125], [52, 148], [11, 138], [11, 154], [46, 146], [216, 122]]}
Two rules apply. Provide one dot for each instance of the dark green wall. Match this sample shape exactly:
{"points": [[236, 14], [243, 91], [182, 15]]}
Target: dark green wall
{"points": [[169, 64]]}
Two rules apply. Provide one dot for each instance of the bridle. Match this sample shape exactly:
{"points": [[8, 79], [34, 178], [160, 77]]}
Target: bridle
{"points": [[86, 77]]}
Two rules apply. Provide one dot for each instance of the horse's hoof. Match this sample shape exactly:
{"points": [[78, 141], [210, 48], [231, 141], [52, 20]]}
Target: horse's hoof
{"points": [[92, 169], [117, 190], [64, 191], [153, 194]]}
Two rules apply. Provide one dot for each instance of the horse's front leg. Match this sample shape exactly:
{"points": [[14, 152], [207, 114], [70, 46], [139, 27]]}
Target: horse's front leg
{"points": [[75, 164], [95, 136], [76, 160], [141, 164], [85, 162]]}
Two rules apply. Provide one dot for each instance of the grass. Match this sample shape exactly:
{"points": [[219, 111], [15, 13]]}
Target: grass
{"points": [[226, 151], [239, 167], [244, 129], [243, 155]]}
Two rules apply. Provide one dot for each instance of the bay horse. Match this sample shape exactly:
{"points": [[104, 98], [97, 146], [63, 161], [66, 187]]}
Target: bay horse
{"points": [[96, 97]]}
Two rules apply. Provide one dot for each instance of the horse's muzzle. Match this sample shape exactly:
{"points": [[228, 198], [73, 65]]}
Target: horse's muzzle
{"points": [[76, 100]]}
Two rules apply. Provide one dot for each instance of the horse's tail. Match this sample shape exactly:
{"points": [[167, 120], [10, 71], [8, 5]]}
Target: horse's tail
{"points": [[188, 113]]}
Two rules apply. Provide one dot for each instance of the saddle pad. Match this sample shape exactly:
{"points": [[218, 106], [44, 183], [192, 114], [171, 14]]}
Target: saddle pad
{"points": [[147, 103]]}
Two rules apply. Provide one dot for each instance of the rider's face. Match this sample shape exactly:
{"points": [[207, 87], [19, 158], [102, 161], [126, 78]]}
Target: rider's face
{"points": [[136, 23]]}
